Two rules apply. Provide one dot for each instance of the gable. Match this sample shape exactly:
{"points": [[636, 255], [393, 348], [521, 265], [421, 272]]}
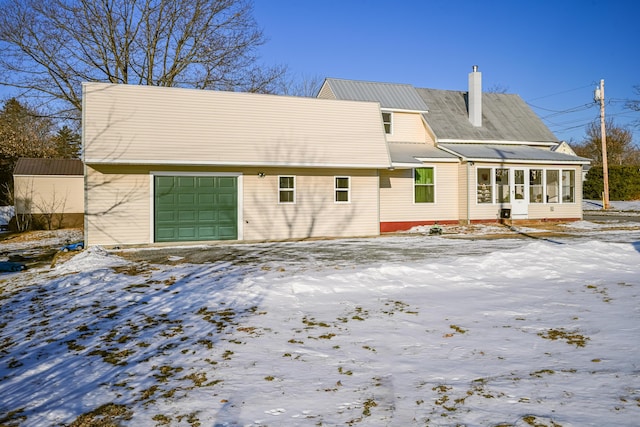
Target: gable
{"points": [[129, 124]]}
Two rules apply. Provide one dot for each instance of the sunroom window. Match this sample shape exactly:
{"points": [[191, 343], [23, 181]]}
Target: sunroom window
{"points": [[553, 186], [485, 188], [502, 185], [568, 186], [536, 190]]}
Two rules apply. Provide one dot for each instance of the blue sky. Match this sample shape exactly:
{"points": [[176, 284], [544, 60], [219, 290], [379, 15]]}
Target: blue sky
{"points": [[551, 53]]}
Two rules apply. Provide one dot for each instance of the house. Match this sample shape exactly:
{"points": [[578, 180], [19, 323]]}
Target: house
{"points": [[183, 165], [466, 156], [49, 193]]}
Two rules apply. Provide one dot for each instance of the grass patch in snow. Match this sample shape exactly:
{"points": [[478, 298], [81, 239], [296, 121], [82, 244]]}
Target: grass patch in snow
{"points": [[570, 337]]}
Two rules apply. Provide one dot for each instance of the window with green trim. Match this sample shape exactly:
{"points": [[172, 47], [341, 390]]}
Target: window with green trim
{"points": [[424, 185]]}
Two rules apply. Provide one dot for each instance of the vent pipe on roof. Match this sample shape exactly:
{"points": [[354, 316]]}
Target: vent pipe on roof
{"points": [[475, 97]]}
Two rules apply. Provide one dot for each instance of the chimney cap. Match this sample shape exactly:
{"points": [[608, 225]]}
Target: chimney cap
{"points": [[475, 68]]}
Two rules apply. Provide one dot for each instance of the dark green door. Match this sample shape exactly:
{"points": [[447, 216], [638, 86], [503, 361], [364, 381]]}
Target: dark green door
{"points": [[196, 208]]}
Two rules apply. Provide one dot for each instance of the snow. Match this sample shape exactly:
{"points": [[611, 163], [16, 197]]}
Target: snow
{"points": [[613, 205], [409, 330], [6, 212]]}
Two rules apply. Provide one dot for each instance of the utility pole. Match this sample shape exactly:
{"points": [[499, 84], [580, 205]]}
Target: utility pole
{"points": [[599, 96]]}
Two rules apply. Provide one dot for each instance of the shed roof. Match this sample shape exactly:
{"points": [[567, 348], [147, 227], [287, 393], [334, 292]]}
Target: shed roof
{"points": [[32, 166], [390, 95], [413, 154], [511, 153], [505, 117]]}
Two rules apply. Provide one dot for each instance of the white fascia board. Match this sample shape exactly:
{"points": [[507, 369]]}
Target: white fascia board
{"points": [[437, 160], [121, 162], [495, 142], [400, 110], [529, 162]]}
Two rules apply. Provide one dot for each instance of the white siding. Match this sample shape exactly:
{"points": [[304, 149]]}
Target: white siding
{"points": [[120, 204], [314, 213], [396, 196], [408, 127], [126, 124], [49, 194]]}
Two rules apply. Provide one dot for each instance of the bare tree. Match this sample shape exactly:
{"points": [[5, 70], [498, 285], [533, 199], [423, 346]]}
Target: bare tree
{"points": [[620, 148], [49, 47], [305, 86]]}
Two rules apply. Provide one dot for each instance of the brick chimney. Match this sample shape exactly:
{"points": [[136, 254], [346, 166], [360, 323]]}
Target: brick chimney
{"points": [[475, 97]]}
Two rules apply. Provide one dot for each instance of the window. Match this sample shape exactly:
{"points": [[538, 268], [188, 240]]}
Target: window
{"points": [[287, 189], [553, 186], [484, 189], [535, 186], [342, 189], [568, 186], [424, 185], [386, 121], [502, 185]]}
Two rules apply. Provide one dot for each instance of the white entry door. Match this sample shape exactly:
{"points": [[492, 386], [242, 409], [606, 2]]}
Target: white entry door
{"points": [[519, 194]]}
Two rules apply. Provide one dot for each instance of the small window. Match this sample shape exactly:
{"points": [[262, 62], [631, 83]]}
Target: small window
{"points": [[386, 120], [287, 189], [484, 190], [502, 185], [424, 185], [553, 186], [342, 189], [535, 186], [568, 186]]}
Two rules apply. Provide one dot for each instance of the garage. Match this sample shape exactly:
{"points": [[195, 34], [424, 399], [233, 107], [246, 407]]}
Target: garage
{"points": [[192, 208]]}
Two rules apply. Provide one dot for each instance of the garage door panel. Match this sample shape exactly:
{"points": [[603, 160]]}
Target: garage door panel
{"points": [[227, 233], [187, 216], [186, 182], [206, 198], [196, 208], [227, 182]]}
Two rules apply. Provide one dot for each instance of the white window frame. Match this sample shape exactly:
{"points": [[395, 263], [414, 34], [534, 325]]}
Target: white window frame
{"points": [[390, 122], [291, 190], [337, 189], [545, 193], [491, 185], [572, 185]]}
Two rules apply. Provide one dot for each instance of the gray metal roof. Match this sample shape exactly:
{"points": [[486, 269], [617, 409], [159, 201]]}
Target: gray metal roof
{"points": [[409, 153], [505, 117], [31, 166], [389, 95], [511, 153]]}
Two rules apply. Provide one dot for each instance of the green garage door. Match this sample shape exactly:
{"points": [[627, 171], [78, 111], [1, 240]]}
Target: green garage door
{"points": [[196, 208]]}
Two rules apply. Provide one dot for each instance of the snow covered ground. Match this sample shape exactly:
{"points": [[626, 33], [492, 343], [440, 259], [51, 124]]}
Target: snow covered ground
{"points": [[613, 205], [397, 331]]}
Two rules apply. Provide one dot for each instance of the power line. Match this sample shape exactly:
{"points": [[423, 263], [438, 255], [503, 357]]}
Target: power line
{"points": [[565, 91]]}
